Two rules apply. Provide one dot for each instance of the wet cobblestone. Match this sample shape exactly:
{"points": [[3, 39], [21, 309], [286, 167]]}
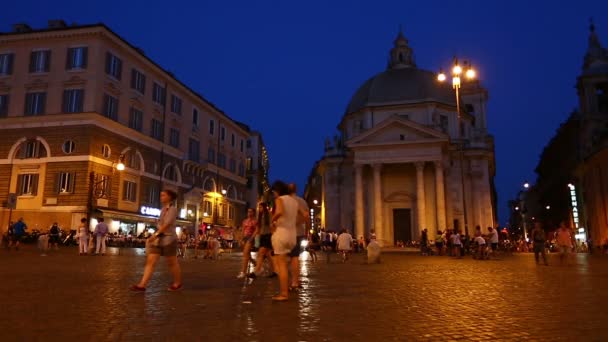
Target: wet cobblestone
{"points": [[407, 297]]}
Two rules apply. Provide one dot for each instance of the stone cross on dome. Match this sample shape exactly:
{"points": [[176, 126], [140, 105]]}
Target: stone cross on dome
{"points": [[401, 55]]}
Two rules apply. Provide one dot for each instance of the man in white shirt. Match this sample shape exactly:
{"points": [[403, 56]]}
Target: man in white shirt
{"points": [[300, 236], [345, 244], [481, 247]]}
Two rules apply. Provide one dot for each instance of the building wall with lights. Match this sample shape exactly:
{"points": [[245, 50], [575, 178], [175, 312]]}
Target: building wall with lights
{"points": [[573, 169], [77, 100], [395, 166]]}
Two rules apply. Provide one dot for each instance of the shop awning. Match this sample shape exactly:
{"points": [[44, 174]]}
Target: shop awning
{"points": [[127, 216]]}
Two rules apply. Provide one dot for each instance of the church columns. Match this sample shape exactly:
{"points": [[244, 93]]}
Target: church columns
{"points": [[440, 193], [359, 201], [420, 200], [378, 202]]}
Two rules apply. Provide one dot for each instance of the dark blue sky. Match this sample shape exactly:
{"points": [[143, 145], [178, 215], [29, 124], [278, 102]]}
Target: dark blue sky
{"points": [[289, 68]]}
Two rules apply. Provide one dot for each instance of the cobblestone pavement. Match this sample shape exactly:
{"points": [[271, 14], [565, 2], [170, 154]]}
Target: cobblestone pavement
{"points": [[407, 297]]}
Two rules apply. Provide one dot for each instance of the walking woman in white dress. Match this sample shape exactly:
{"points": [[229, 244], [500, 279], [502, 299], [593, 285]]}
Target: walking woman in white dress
{"points": [[284, 221]]}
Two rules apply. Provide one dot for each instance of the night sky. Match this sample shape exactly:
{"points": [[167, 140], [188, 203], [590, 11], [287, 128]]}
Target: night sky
{"points": [[289, 68]]}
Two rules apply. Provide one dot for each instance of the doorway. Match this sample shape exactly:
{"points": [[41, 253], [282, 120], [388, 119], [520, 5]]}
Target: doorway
{"points": [[402, 225]]}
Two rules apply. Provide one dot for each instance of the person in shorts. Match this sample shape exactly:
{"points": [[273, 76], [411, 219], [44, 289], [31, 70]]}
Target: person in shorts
{"points": [[564, 243], [265, 235], [18, 230], [163, 243], [250, 226], [301, 228]]}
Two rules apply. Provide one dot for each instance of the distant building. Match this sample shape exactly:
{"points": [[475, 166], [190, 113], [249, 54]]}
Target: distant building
{"points": [[75, 101], [257, 167], [572, 182], [395, 166]]}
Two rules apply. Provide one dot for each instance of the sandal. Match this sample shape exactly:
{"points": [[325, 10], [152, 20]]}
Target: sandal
{"points": [[174, 288], [279, 299], [137, 288]]}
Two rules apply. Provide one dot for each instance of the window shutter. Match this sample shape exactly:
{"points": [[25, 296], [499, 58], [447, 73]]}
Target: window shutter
{"points": [[85, 54], [66, 101], [58, 183], [69, 58], [80, 102], [106, 109], [42, 103], [35, 184], [124, 191], [143, 86], [133, 76], [119, 68], [47, 60], [72, 187], [10, 63], [32, 61], [108, 62], [20, 184]]}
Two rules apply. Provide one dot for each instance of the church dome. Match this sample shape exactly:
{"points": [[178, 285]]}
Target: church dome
{"points": [[401, 83]]}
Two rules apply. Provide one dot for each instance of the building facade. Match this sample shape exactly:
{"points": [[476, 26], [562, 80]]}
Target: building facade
{"points": [[592, 170], [77, 101], [257, 166], [396, 165], [572, 182]]}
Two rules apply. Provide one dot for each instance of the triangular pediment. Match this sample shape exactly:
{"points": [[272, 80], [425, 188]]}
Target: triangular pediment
{"points": [[397, 130]]}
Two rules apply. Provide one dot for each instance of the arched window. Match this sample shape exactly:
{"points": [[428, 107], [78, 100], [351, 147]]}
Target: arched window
{"points": [[31, 148], [171, 173], [209, 185], [132, 160], [231, 192], [106, 152]]}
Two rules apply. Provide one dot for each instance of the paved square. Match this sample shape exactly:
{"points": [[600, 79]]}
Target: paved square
{"points": [[66, 297]]}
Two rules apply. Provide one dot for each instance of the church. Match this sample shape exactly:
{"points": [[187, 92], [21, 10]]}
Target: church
{"points": [[404, 160]]}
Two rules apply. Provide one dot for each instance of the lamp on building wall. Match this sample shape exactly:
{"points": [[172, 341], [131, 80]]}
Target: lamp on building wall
{"points": [[94, 184], [469, 74], [120, 166]]}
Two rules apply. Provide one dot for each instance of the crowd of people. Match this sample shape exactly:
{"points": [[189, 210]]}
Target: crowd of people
{"points": [[484, 246], [279, 233]]}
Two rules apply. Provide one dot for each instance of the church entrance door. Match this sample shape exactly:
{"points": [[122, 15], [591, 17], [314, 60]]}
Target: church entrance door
{"points": [[402, 225]]}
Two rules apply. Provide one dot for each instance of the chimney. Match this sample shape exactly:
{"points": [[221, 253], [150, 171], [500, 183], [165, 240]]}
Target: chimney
{"points": [[57, 24], [21, 28]]}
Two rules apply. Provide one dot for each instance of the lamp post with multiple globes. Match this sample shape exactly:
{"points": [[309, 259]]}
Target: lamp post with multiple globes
{"points": [[469, 74]]}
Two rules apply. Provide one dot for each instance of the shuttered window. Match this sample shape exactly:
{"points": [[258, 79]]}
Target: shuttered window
{"points": [[113, 66], [6, 63], [40, 61], [27, 184], [77, 58], [138, 81], [35, 103], [65, 183], [73, 100]]}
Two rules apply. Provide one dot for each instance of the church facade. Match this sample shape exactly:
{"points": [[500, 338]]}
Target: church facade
{"points": [[395, 167]]}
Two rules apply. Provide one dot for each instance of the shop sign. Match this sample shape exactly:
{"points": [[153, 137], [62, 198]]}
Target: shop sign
{"points": [[150, 211]]}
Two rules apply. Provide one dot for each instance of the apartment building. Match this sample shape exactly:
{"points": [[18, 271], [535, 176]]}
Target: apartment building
{"points": [[77, 103]]}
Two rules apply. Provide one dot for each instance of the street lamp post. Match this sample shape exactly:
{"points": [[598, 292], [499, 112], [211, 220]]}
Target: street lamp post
{"points": [[523, 194], [94, 183], [469, 74]]}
